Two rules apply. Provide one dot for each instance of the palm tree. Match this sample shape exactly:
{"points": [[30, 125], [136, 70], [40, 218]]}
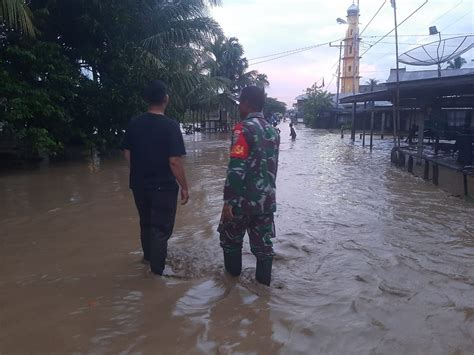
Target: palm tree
{"points": [[227, 61], [372, 83], [17, 15], [457, 63], [176, 44]]}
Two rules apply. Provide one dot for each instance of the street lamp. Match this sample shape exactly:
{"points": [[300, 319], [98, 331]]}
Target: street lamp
{"points": [[434, 31]]}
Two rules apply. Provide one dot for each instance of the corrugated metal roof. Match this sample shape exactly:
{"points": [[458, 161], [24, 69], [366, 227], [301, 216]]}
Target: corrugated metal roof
{"points": [[426, 74]]}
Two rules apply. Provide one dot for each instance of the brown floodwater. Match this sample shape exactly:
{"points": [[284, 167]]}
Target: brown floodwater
{"points": [[370, 260]]}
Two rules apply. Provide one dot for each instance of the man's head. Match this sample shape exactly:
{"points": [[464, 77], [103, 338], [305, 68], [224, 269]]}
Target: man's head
{"points": [[251, 100], [156, 93]]}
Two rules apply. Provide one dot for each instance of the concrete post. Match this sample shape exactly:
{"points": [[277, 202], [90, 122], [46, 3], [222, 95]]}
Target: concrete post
{"points": [[382, 134]]}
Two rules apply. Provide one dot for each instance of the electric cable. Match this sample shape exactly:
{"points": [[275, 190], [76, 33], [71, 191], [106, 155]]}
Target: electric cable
{"points": [[373, 17], [289, 53], [296, 50], [393, 29]]}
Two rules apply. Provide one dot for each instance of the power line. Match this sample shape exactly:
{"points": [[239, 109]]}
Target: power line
{"points": [[446, 34], [401, 23], [442, 15], [459, 19], [288, 53], [373, 17], [330, 82], [334, 75], [296, 50], [404, 43]]}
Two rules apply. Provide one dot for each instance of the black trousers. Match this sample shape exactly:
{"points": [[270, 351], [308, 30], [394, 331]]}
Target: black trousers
{"points": [[157, 210]]}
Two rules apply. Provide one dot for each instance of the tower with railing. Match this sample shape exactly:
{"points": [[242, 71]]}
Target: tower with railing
{"points": [[350, 72]]}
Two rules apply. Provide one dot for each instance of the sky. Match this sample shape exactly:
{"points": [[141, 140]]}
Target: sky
{"points": [[265, 27]]}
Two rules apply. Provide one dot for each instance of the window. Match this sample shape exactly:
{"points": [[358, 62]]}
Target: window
{"points": [[350, 50], [456, 118], [350, 68], [351, 32]]}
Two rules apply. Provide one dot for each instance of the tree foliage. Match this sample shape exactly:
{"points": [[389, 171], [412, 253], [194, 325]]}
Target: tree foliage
{"points": [[80, 79], [372, 83], [15, 14], [317, 101], [272, 106], [457, 63], [227, 61]]}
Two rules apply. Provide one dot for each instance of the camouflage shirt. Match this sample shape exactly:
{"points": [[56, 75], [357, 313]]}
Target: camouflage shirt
{"points": [[250, 185]]}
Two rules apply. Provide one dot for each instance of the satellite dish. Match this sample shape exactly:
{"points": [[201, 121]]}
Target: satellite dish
{"points": [[438, 52]]}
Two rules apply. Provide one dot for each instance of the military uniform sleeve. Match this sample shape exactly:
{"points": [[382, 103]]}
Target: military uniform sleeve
{"points": [[237, 168]]}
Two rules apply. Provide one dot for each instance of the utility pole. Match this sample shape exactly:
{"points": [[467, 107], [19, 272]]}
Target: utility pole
{"points": [[397, 99], [433, 31], [338, 72]]}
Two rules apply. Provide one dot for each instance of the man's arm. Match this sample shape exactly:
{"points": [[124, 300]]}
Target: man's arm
{"points": [[177, 168], [236, 171], [126, 155]]}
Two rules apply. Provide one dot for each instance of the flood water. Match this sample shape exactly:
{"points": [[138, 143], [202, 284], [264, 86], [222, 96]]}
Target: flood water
{"points": [[370, 260]]}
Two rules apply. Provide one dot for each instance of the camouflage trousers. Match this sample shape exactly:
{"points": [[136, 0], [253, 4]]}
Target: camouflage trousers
{"points": [[260, 228]]}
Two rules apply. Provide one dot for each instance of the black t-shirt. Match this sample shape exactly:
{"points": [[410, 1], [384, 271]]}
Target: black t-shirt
{"points": [[152, 139]]}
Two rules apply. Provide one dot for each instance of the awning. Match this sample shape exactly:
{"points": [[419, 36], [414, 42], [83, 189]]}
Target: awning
{"points": [[462, 85]]}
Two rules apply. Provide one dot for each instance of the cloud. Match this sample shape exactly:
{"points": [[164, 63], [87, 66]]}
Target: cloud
{"points": [[271, 26]]}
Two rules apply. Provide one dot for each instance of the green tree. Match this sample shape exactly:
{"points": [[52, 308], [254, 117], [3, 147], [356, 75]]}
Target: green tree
{"points": [[81, 80], [272, 105], [372, 83], [227, 61], [317, 100], [121, 45], [15, 14], [38, 88], [457, 63]]}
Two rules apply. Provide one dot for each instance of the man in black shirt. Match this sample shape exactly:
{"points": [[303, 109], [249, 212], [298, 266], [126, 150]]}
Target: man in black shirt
{"points": [[153, 145]]}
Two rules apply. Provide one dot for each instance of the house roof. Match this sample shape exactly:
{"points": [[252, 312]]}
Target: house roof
{"points": [[301, 97], [426, 74], [425, 86]]}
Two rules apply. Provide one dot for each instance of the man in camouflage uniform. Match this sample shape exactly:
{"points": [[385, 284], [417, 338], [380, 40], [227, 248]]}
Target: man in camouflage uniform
{"points": [[249, 192]]}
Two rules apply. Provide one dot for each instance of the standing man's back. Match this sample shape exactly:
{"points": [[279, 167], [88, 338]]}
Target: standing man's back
{"points": [[153, 144], [155, 138]]}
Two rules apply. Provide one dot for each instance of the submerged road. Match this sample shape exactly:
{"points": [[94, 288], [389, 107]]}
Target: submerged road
{"points": [[370, 260]]}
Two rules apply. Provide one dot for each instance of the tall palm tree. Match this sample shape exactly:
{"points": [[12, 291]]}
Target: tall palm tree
{"points": [[372, 83], [227, 60], [17, 15], [457, 63], [176, 42]]}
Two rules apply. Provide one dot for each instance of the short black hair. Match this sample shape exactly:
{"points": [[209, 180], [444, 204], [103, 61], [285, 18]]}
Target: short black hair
{"points": [[254, 96], [155, 92]]}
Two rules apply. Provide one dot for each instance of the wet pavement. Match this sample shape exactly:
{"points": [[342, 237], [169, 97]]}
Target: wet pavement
{"points": [[370, 260]]}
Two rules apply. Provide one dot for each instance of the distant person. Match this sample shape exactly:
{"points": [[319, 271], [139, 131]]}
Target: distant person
{"points": [[249, 192], [275, 125], [153, 145], [292, 132]]}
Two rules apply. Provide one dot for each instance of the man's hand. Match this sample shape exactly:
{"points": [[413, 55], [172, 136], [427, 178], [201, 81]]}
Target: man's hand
{"points": [[227, 214], [184, 196], [177, 168]]}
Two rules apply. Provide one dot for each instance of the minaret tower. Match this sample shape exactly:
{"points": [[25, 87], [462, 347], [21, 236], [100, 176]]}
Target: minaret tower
{"points": [[350, 72]]}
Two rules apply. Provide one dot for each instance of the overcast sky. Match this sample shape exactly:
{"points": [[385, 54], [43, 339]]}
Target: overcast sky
{"points": [[270, 26]]}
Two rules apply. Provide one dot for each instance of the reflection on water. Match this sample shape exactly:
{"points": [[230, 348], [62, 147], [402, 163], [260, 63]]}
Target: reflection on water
{"points": [[369, 260]]}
